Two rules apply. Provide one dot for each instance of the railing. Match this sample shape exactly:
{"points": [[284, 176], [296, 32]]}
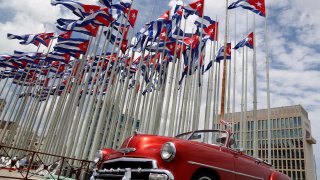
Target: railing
{"points": [[39, 165]]}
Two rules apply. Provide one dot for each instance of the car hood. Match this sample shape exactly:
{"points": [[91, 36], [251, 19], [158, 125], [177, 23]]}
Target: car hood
{"points": [[149, 146]]}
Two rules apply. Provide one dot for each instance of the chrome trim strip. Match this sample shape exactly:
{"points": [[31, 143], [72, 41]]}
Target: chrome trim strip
{"points": [[129, 170], [226, 170], [126, 150], [154, 162]]}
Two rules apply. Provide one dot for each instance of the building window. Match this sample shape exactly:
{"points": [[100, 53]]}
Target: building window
{"points": [[278, 120], [300, 132], [252, 125], [284, 165], [293, 175], [299, 121], [259, 124], [259, 135], [297, 153], [293, 163], [302, 153], [282, 123], [280, 165], [291, 122], [274, 123], [298, 177], [286, 122], [295, 121]]}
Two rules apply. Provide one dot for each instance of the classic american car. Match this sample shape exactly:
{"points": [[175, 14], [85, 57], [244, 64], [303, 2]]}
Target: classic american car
{"points": [[197, 155]]}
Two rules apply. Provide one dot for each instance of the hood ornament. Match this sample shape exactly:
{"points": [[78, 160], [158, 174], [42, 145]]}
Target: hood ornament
{"points": [[126, 150]]}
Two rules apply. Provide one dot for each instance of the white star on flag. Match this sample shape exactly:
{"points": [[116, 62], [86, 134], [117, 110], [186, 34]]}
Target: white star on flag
{"points": [[259, 4], [199, 4]]}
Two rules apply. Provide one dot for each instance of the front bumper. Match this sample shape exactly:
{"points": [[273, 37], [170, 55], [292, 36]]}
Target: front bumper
{"points": [[117, 169]]}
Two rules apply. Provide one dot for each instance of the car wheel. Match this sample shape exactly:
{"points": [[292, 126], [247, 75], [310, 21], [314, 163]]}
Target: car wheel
{"points": [[204, 176]]}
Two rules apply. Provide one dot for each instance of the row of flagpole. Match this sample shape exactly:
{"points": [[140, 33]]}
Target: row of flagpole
{"points": [[101, 106]]}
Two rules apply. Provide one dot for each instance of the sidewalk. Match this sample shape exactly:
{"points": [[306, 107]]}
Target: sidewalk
{"points": [[15, 175]]}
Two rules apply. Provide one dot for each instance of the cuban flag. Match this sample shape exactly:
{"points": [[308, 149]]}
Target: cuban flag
{"points": [[248, 41], [210, 28], [26, 39], [79, 9], [101, 18], [164, 17], [220, 55], [58, 56], [45, 38], [256, 6], [88, 29], [195, 8], [65, 35], [72, 47], [133, 14], [36, 39]]}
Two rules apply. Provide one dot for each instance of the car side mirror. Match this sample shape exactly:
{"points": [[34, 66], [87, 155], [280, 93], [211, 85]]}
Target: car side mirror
{"points": [[241, 149]]}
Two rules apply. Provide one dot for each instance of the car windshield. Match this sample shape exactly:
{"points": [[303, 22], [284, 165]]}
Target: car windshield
{"points": [[206, 136]]}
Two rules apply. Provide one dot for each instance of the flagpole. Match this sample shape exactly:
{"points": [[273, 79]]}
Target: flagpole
{"points": [[241, 130], [255, 135], [229, 87], [191, 93], [268, 90], [223, 91], [234, 69]]}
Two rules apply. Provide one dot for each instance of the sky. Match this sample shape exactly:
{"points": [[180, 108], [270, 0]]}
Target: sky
{"points": [[293, 41]]}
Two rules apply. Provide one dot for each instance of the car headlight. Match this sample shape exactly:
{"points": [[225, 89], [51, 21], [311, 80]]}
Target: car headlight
{"points": [[98, 156], [168, 151]]}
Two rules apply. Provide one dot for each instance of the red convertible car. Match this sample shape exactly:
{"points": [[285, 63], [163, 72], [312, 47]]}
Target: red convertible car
{"points": [[197, 155]]}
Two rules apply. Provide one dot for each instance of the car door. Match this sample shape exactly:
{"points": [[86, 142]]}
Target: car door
{"points": [[246, 167]]}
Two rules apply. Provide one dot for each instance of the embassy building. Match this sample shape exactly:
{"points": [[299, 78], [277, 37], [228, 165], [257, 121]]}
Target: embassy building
{"points": [[291, 140]]}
